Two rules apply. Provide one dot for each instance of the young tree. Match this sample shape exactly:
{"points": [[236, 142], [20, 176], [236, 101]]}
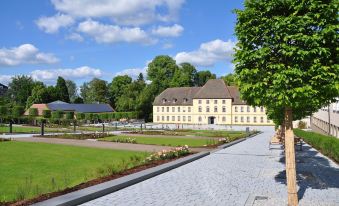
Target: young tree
{"points": [[287, 57], [62, 90], [98, 91]]}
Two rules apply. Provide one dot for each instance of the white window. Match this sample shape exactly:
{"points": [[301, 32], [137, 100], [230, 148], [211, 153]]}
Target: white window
{"points": [[167, 118], [215, 109], [179, 118], [199, 101], [236, 109], [236, 119], [207, 109], [248, 119], [200, 109], [223, 109], [178, 109], [189, 118], [224, 119], [189, 109], [207, 101], [215, 101], [254, 119], [167, 109], [223, 101], [162, 109], [158, 118], [241, 119], [254, 109], [173, 109], [248, 109], [199, 119], [174, 100], [185, 100], [164, 100], [163, 118], [261, 109], [184, 118], [173, 118], [241, 109], [261, 119]]}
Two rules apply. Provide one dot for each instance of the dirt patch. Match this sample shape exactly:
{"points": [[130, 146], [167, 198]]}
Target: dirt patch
{"points": [[89, 183]]}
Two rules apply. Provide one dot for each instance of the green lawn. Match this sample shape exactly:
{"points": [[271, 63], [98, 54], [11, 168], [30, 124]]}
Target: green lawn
{"points": [[30, 169], [30, 129], [166, 141]]}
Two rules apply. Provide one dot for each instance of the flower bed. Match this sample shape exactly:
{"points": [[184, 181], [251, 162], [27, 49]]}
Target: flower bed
{"points": [[78, 136], [169, 154], [125, 140]]}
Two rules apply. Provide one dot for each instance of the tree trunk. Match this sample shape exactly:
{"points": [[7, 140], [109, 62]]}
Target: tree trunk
{"points": [[290, 160], [282, 130]]}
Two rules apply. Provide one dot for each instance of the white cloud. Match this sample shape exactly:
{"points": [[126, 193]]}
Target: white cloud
{"points": [[168, 31], [123, 12], [104, 33], [5, 79], [53, 23], [77, 73], [134, 73], [167, 46], [75, 37], [25, 54], [208, 53]]}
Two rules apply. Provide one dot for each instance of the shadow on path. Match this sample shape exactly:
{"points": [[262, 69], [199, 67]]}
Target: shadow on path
{"points": [[313, 171]]}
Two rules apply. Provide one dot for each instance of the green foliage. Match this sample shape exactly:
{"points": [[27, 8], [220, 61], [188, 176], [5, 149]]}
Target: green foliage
{"points": [[57, 114], [328, 145], [46, 113], [20, 88], [69, 115], [18, 111], [80, 116], [78, 100], [33, 112], [89, 116], [184, 76], [72, 90], [286, 56], [203, 77], [62, 90], [302, 125], [230, 80], [3, 111], [117, 88]]}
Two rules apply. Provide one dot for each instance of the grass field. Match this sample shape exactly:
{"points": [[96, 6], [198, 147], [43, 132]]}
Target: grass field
{"points": [[30, 169], [28, 129], [166, 141]]}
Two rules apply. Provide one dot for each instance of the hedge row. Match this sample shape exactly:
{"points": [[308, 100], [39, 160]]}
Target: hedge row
{"points": [[327, 145]]}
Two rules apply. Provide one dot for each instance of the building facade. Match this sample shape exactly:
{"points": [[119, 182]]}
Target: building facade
{"points": [[214, 103], [3, 89], [326, 120]]}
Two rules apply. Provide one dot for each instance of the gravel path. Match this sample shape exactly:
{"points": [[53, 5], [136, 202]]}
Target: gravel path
{"points": [[247, 173], [103, 144]]}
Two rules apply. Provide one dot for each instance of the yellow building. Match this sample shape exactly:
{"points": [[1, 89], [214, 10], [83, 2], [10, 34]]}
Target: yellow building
{"points": [[214, 103]]}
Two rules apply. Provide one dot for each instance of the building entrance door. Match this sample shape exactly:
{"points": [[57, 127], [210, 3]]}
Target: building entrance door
{"points": [[211, 120]]}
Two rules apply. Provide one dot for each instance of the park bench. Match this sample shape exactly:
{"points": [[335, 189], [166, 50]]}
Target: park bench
{"points": [[278, 140]]}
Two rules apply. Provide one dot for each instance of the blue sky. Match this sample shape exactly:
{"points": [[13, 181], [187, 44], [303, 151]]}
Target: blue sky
{"points": [[81, 39]]}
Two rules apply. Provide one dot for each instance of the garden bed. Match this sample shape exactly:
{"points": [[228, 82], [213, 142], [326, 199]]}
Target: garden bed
{"points": [[327, 145], [81, 136]]}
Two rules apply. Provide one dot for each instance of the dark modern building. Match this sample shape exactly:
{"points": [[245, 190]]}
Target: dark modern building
{"points": [[3, 89]]}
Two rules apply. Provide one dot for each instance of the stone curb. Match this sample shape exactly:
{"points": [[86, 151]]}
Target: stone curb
{"points": [[96, 191]]}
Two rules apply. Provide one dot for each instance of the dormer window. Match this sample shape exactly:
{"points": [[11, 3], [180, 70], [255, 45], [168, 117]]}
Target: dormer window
{"points": [[174, 100], [185, 100], [164, 100]]}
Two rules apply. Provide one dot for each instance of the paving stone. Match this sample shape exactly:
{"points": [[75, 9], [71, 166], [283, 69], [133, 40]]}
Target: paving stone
{"points": [[232, 175]]}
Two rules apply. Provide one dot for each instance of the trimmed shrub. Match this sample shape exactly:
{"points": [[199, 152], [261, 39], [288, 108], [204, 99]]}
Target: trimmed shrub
{"points": [[47, 113], [89, 116], [69, 115], [57, 114], [328, 145], [80, 116], [33, 112]]}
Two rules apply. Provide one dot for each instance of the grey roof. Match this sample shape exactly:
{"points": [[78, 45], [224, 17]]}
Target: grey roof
{"points": [[4, 86], [178, 94], [236, 95], [86, 108], [214, 89]]}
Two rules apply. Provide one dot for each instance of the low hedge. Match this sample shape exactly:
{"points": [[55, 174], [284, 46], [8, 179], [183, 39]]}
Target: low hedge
{"points": [[328, 145]]}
